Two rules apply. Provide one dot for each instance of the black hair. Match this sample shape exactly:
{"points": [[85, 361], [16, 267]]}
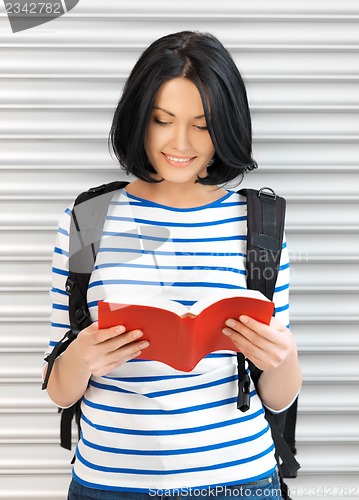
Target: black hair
{"points": [[201, 58]]}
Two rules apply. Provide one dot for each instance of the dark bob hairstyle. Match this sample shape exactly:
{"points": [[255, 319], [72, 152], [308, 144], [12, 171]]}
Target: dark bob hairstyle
{"points": [[201, 58]]}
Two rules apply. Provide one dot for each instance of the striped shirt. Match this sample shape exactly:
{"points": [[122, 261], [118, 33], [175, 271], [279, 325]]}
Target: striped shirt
{"points": [[145, 425]]}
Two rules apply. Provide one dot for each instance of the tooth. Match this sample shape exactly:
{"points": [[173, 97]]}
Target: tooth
{"points": [[180, 160]]}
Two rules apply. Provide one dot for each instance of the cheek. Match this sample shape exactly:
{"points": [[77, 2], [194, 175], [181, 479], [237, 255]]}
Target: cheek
{"points": [[155, 139], [207, 146], [150, 143]]}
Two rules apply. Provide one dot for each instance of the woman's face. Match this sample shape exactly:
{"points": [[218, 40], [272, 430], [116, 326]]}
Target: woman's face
{"points": [[178, 144]]}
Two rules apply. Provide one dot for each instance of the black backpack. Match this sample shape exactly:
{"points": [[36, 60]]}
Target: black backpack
{"points": [[265, 227]]}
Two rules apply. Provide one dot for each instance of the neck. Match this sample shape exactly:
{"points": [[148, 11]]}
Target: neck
{"points": [[176, 195]]}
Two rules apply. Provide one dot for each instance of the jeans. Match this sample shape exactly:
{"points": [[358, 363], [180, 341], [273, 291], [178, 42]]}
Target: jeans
{"points": [[264, 489]]}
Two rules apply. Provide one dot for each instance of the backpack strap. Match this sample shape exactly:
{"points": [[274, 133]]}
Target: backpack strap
{"points": [[265, 221], [87, 221], [265, 229], [88, 218]]}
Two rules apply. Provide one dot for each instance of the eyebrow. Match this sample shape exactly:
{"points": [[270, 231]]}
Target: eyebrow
{"points": [[171, 114]]}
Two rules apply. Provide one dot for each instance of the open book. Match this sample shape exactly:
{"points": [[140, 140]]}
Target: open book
{"points": [[180, 336]]}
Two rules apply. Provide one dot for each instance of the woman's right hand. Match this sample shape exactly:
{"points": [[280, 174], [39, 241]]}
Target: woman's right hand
{"points": [[101, 351]]}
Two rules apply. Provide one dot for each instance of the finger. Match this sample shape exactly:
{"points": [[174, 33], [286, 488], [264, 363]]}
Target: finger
{"points": [[266, 346], [240, 330], [273, 328], [273, 339], [262, 353], [116, 364], [259, 348], [251, 345], [272, 333], [265, 331], [99, 336], [116, 358], [119, 341]]}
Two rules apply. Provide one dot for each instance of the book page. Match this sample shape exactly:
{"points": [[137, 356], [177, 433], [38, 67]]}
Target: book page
{"points": [[179, 309], [160, 303], [225, 294]]}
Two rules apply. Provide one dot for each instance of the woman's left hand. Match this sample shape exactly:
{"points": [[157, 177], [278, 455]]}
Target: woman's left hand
{"points": [[267, 346]]}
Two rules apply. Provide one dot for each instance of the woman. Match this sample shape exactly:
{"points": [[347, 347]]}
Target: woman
{"points": [[182, 128]]}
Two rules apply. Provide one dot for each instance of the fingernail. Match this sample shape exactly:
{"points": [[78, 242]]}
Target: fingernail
{"points": [[244, 319], [144, 344], [227, 332], [137, 334], [231, 323], [120, 329]]}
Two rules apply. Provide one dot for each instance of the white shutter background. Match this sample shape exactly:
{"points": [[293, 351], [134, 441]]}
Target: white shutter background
{"points": [[59, 85]]}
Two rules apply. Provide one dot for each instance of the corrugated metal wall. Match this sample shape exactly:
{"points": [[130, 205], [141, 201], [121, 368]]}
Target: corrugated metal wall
{"points": [[59, 84]]}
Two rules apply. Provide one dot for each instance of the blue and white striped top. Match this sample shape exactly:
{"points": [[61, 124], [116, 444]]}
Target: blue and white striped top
{"points": [[147, 426]]}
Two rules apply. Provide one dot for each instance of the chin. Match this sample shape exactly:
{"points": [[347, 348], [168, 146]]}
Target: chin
{"points": [[179, 176]]}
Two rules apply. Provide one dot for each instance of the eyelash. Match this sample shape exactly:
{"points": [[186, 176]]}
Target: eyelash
{"points": [[201, 128], [159, 122]]}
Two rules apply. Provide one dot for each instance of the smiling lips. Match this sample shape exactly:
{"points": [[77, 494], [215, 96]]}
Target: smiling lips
{"points": [[178, 161]]}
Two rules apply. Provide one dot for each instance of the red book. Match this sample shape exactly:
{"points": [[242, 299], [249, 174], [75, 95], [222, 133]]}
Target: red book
{"points": [[180, 336]]}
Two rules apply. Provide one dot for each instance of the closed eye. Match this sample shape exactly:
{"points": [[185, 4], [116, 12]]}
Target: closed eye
{"points": [[159, 122], [163, 123], [201, 128]]}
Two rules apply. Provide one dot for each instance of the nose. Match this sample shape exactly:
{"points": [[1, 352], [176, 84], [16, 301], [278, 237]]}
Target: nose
{"points": [[182, 140]]}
